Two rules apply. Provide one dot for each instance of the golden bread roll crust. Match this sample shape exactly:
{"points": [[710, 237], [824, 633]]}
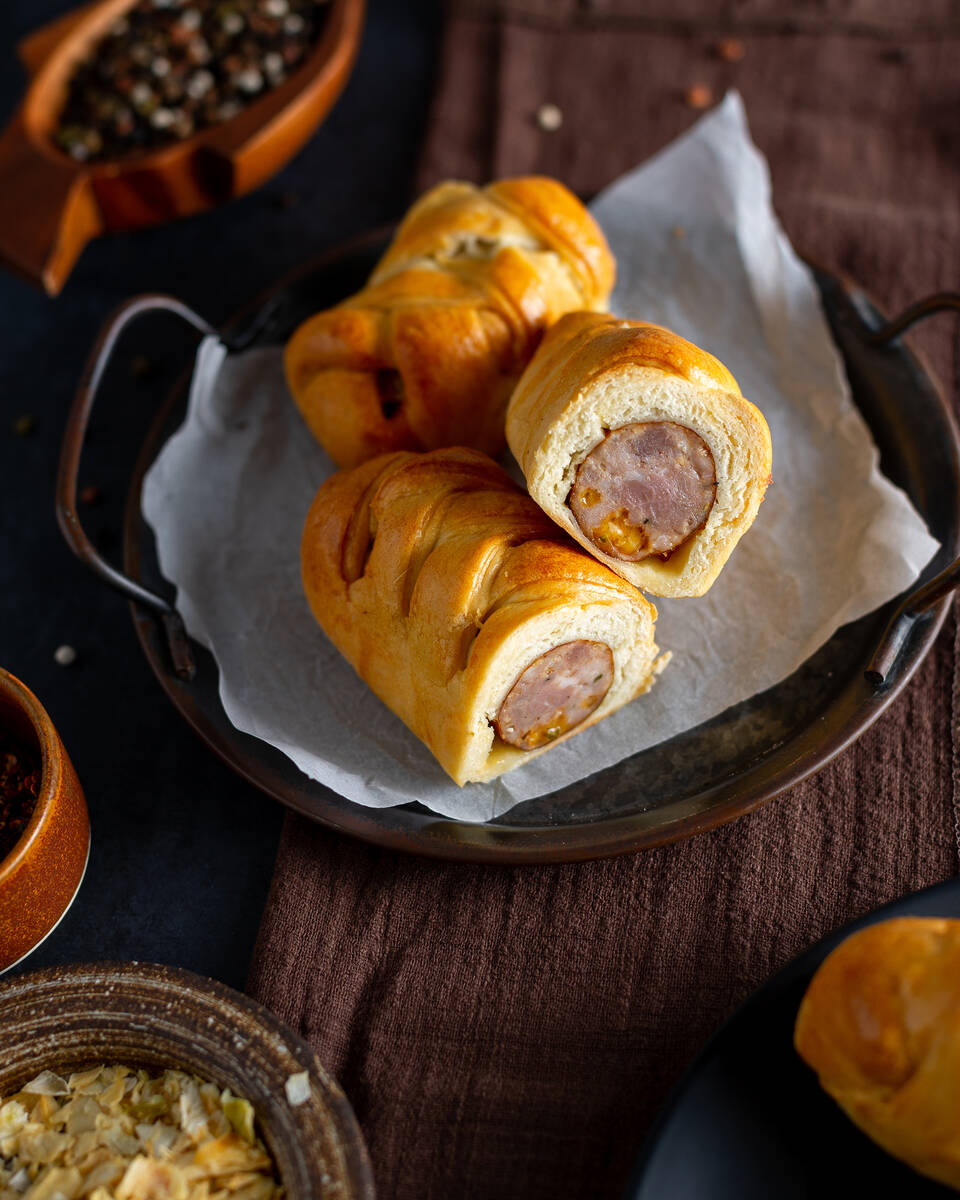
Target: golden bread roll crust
{"points": [[594, 373], [880, 1025], [441, 581], [426, 355]]}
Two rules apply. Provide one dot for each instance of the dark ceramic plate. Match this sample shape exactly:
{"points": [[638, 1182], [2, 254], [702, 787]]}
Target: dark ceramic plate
{"points": [[749, 1120], [695, 781]]}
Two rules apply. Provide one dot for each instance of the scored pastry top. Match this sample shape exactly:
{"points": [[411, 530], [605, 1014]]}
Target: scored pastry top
{"points": [[458, 224], [426, 355]]}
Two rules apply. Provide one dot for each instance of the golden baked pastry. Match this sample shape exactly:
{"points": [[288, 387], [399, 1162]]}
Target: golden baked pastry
{"points": [[426, 355], [880, 1025], [467, 612], [641, 447]]}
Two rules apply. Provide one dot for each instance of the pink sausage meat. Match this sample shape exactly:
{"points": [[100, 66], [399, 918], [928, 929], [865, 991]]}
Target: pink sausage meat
{"points": [[644, 489], [555, 693]]}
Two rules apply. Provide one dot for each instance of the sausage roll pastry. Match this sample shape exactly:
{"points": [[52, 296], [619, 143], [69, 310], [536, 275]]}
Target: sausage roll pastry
{"points": [[428, 353], [880, 1025], [641, 447], [482, 627]]}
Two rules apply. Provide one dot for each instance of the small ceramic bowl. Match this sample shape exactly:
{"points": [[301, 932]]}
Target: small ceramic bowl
{"points": [[41, 875], [143, 1015]]}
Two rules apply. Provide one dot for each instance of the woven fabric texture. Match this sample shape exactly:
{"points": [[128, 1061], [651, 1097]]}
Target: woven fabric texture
{"points": [[512, 1032]]}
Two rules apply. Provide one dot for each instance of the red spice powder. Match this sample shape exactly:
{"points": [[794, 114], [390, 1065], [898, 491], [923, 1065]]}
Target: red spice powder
{"points": [[19, 789]]}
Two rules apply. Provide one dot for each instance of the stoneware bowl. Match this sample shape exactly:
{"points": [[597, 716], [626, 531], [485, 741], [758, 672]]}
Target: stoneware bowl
{"points": [[42, 873], [151, 1016]]}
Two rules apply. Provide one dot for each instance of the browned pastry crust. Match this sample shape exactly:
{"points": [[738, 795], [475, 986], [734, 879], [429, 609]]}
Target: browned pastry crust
{"points": [[594, 373], [442, 582], [426, 355], [880, 1025]]}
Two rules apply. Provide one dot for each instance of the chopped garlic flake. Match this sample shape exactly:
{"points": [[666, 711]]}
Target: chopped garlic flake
{"points": [[46, 1084], [109, 1133], [297, 1088]]}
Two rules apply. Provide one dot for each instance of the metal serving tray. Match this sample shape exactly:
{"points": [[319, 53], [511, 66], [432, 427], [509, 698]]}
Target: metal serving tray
{"points": [[698, 779]]}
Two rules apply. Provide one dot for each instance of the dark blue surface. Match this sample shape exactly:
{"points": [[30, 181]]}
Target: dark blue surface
{"points": [[182, 849]]}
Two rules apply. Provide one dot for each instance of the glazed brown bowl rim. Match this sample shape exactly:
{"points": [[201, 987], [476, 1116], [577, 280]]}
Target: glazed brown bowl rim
{"points": [[51, 767], [279, 1044]]}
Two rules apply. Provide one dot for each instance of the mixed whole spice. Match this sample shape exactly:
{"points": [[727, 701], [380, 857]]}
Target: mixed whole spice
{"points": [[114, 1133], [19, 789], [169, 68]]}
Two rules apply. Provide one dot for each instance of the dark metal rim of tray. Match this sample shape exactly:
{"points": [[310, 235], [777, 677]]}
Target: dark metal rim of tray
{"points": [[699, 779]]}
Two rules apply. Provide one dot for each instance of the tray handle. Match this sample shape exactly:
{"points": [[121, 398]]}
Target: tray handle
{"points": [[928, 595], [69, 469]]}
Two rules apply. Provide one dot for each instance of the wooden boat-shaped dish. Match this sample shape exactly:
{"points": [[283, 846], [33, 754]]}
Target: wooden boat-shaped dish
{"points": [[51, 205]]}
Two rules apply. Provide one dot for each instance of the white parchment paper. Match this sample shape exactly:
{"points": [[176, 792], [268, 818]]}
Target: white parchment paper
{"points": [[699, 250]]}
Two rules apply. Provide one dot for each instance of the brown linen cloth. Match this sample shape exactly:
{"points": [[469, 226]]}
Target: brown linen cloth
{"points": [[513, 1032]]}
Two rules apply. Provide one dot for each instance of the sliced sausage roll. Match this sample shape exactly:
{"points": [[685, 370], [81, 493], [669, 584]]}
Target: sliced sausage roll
{"points": [[426, 355], [641, 447], [467, 612]]}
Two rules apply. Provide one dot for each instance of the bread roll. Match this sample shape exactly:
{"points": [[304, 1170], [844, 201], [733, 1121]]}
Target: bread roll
{"points": [[641, 447], [426, 355], [467, 612], [880, 1025]]}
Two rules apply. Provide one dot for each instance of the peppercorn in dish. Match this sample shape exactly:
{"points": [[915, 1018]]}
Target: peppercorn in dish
{"points": [[167, 69]]}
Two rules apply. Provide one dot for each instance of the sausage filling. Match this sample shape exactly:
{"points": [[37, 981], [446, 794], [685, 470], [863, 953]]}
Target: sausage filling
{"points": [[644, 489], [555, 693]]}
